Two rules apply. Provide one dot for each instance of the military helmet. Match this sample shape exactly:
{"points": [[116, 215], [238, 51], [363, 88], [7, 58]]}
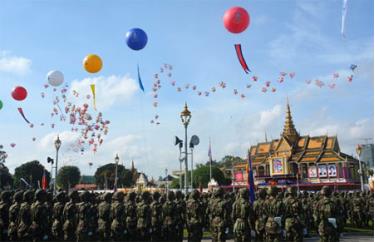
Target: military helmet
{"points": [[84, 196], [118, 196], [107, 196], [28, 196], [40, 195], [194, 194], [178, 195], [272, 191], [145, 195], [262, 193], [74, 195], [156, 195], [325, 191], [17, 197], [131, 196], [6, 195], [60, 196], [170, 196]]}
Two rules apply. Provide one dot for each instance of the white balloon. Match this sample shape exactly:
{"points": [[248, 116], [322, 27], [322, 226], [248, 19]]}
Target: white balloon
{"points": [[55, 78]]}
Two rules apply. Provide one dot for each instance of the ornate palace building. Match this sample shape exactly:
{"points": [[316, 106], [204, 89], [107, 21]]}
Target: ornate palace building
{"points": [[303, 161]]}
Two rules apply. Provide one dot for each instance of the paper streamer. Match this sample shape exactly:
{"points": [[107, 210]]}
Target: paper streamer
{"points": [[23, 115], [92, 86]]}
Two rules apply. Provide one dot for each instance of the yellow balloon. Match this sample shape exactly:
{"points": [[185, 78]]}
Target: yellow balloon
{"points": [[92, 63]]}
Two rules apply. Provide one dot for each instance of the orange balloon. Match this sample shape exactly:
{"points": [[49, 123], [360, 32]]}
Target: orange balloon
{"points": [[92, 63]]}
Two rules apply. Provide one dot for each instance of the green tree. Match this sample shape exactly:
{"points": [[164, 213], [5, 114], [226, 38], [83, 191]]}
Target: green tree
{"points": [[228, 160], [68, 177], [32, 172], [6, 180], [105, 176], [201, 177]]}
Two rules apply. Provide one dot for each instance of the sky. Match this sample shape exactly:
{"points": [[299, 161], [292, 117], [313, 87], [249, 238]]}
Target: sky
{"points": [[302, 36]]}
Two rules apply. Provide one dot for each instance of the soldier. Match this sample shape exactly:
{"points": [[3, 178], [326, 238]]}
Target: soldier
{"points": [[93, 215], [48, 204], [340, 212], [4, 215], [58, 209], [260, 215], [13, 216], [370, 208], [218, 216], [83, 213], [327, 217], [70, 217], [358, 205], [39, 217], [24, 230], [156, 219], [181, 210], [169, 218], [117, 215], [194, 217], [144, 218], [307, 211], [131, 217], [104, 223], [241, 215], [274, 212], [293, 216]]}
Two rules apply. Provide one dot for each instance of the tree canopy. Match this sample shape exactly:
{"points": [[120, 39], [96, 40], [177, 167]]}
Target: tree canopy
{"points": [[105, 176], [6, 180], [32, 172], [68, 176]]}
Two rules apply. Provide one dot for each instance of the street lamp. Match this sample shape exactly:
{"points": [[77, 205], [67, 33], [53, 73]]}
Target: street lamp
{"points": [[359, 151], [185, 118], [117, 160], [57, 146], [180, 144]]}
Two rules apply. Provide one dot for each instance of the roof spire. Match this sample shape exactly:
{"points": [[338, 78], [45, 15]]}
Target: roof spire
{"points": [[289, 132]]}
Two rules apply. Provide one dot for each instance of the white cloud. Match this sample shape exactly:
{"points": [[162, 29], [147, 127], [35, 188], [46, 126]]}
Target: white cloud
{"points": [[268, 116], [108, 89], [360, 129], [14, 64], [67, 138]]}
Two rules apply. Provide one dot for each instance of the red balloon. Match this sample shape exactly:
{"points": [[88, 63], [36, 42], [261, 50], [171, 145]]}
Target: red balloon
{"points": [[19, 93], [236, 20]]}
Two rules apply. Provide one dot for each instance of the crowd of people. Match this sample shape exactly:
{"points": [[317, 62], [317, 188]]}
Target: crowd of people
{"points": [[274, 215]]}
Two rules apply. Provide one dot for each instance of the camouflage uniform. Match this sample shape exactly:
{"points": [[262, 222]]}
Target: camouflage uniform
{"points": [[181, 211], [307, 211], [83, 208], [39, 217], [218, 216], [4, 215], [117, 215], [24, 230], [241, 215], [70, 217], [358, 205], [169, 214], [194, 217], [370, 208], [156, 219], [131, 217], [260, 215], [274, 212], [57, 214], [104, 223], [293, 217], [144, 218], [327, 217], [14, 216], [94, 216]]}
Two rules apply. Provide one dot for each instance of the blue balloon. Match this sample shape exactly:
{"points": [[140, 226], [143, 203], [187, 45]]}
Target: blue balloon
{"points": [[136, 39]]}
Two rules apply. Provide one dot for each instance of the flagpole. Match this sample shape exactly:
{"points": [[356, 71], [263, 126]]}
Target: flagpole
{"points": [[210, 158]]}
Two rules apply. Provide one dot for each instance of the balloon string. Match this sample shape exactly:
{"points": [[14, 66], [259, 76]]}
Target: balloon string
{"points": [[23, 115]]}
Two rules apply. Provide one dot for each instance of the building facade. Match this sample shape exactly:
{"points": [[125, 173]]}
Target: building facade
{"points": [[303, 161], [367, 155]]}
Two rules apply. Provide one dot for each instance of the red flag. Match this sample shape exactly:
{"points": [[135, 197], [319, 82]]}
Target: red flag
{"points": [[44, 180]]}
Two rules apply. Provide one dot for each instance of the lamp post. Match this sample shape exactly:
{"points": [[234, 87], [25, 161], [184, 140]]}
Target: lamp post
{"points": [[166, 180], [359, 151], [117, 159], [57, 146], [185, 118]]}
